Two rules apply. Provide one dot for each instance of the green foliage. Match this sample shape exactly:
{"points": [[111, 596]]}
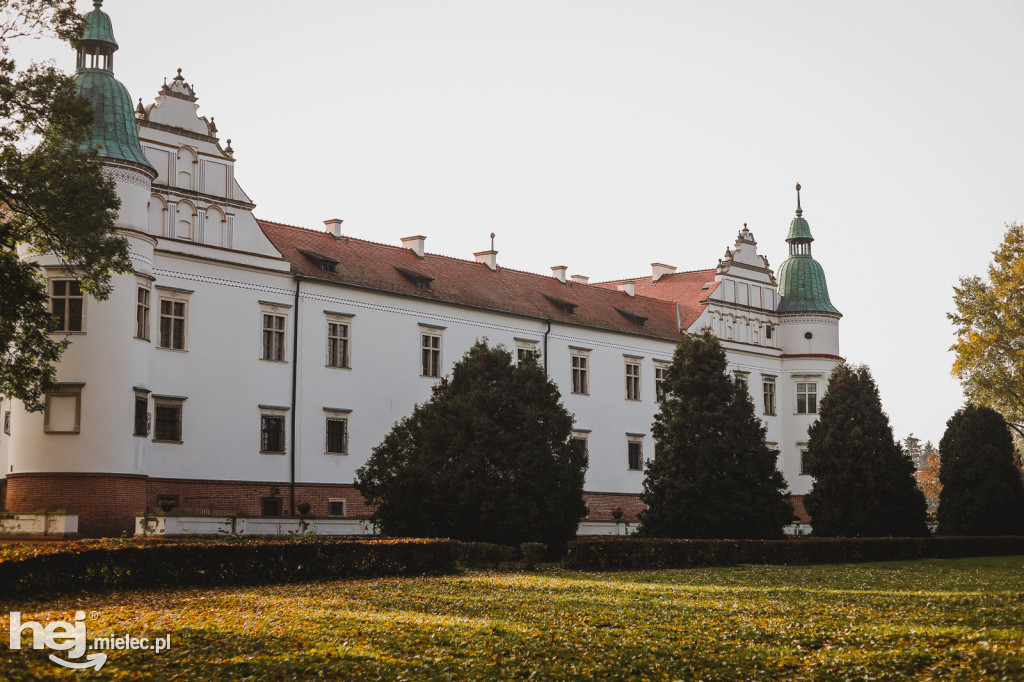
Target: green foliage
{"points": [[601, 554], [989, 321], [488, 458], [533, 554], [863, 481], [982, 492], [714, 476], [73, 567], [53, 199]]}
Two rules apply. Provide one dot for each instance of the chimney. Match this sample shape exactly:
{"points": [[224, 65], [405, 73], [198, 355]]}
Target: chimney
{"points": [[659, 270], [415, 243], [558, 272], [488, 257], [580, 279], [334, 227], [629, 286]]}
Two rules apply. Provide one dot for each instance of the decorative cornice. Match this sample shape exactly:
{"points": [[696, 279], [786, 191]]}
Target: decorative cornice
{"points": [[202, 196]]}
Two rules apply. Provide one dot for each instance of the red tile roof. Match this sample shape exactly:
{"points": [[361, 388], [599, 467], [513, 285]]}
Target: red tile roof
{"points": [[397, 269], [684, 288]]}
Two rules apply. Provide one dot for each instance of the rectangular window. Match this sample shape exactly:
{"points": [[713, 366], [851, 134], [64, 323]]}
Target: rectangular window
{"points": [[337, 344], [270, 506], [805, 463], [141, 416], [272, 434], [743, 378], [167, 424], [580, 440], [172, 324], [524, 349], [142, 314], [635, 453], [335, 507], [580, 371], [7, 422], [337, 435], [632, 380], [768, 384], [63, 409], [806, 398], [67, 304], [430, 345], [273, 337], [660, 372]]}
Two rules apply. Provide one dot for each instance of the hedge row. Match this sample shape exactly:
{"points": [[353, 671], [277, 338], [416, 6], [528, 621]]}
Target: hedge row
{"points": [[170, 564], [636, 553]]}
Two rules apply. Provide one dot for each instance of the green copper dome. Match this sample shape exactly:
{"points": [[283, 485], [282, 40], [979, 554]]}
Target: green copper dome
{"points": [[114, 131], [98, 26], [802, 285]]}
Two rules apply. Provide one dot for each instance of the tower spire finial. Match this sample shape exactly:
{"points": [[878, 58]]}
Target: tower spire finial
{"points": [[799, 211]]}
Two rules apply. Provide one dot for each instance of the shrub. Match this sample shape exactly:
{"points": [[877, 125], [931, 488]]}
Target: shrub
{"points": [[533, 553], [484, 555], [303, 507]]}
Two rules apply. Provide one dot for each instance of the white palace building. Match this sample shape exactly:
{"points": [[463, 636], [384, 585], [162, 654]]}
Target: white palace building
{"points": [[248, 366]]}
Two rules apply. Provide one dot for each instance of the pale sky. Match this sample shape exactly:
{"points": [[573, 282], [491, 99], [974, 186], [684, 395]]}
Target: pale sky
{"points": [[609, 135]]}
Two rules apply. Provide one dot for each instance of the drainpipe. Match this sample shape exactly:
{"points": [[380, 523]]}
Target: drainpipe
{"points": [[546, 347], [295, 375]]}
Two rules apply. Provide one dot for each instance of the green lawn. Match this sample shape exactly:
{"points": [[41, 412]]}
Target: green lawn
{"points": [[936, 619]]}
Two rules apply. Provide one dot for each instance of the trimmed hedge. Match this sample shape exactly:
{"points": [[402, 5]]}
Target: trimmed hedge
{"points": [[168, 564], [485, 555], [648, 553]]}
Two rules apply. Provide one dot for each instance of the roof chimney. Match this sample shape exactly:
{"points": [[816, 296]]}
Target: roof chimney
{"points": [[334, 226], [580, 279], [629, 286], [558, 272], [415, 243], [488, 257], [659, 270]]}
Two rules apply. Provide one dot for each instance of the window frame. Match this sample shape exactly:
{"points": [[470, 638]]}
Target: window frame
{"points": [[769, 403], [637, 440], [143, 311], [808, 397], [274, 339], [145, 419], [805, 461], [660, 376], [431, 355], [333, 358], [67, 298], [524, 346], [582, 436], [276, 502], [335, 415], [63, 390], [579, 363], [176, 403], [172, 296], [337, 500], [278, 415], [633, 385]]}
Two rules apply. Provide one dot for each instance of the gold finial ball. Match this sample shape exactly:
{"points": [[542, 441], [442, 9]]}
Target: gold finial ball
{"points": [[798, 187], [492, 235]]}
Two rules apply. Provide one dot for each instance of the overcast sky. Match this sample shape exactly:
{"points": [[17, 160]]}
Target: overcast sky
{"points": [[609, 135]]}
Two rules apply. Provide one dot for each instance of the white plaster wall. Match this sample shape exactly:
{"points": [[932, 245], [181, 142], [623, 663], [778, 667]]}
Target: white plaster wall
{"points": [[824, 334]]}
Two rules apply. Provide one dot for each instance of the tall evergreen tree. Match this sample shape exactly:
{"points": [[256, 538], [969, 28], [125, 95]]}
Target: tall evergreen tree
{"points": [[713, 476], [863, 481], [490, 457], [981, 487]]}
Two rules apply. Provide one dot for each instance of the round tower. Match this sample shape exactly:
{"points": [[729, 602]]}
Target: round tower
{"points": [[808, 322], [84, 453]]}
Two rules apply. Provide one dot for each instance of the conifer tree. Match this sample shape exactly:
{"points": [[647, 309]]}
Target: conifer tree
{"points": [[489, 457], [713, 475], [981, 487], [863, 481]]}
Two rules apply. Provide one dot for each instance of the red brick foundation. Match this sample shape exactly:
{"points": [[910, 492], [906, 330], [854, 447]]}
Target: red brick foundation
{"points": [[106, 503], [602, 504], [244, 497]]}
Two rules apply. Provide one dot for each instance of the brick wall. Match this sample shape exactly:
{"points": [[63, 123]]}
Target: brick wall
{"points": [[106, 503], [245, 497], [602, 504]]}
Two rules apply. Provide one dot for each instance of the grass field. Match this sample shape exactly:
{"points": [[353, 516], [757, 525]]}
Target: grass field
{"points": [[939, 619]]}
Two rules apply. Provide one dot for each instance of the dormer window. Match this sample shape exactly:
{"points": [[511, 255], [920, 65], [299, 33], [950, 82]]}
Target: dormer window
{"points": [[565, 306], [420, 280], [638, 320], [323, 262]]}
